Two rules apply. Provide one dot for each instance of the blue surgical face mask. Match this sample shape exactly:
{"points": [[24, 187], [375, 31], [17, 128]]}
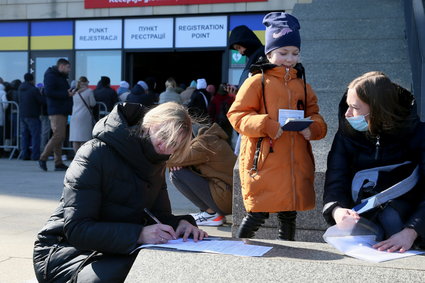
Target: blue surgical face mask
{"points": [[358, 123]]}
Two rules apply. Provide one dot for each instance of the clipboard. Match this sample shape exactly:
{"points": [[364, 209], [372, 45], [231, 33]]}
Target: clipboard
{"points": [[296, 124]]}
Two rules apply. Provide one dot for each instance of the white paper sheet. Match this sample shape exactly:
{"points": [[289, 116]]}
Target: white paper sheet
{"points": [[238, 248], [288, 113], [360, 247]]}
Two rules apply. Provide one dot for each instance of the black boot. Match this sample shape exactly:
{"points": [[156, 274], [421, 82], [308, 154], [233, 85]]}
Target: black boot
{"points": [[287, 223], [251, 223]]}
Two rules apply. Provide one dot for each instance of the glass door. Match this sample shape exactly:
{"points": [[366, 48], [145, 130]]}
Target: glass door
{"points": [[40, 61]]}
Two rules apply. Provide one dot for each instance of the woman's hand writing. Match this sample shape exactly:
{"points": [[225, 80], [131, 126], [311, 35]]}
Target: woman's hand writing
{"points": [[399, 242], [157, 234], [185, 229]]}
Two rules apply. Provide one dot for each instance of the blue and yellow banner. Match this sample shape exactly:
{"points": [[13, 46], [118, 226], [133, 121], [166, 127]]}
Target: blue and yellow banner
{"points": [[253, 21], [14, 36], [52, 35]]}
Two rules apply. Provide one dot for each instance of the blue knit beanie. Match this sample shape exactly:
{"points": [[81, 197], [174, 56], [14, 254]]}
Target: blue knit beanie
{"points": [[282, 29]]}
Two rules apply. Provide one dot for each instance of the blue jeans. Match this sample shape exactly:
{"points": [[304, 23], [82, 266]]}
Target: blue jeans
{"points": [[30, 135], [389, 222]]}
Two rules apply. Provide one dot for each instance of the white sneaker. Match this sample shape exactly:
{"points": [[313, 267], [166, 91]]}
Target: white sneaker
{"points": [[203, 218]]}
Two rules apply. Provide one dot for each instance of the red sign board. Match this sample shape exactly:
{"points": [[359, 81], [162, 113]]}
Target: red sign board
{"points": [[91, 4]]}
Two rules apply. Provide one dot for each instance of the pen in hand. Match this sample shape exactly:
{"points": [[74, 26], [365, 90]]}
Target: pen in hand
{"points": [[164, 228], [152, 216]]}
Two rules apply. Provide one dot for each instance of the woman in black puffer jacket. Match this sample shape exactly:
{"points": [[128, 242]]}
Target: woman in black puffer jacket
{"points": [[378, 126], [112, 179]]}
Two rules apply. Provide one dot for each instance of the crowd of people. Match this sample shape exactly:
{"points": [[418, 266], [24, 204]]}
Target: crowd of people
{"points": [[101, 218]]}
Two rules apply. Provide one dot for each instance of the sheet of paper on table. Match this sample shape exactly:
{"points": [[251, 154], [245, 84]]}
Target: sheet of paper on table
{"points": [[360, 246], [237, 248]]}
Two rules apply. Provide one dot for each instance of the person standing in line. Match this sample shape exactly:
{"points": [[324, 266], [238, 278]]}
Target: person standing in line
{"points": [[151, 82], [3, 107], [123, 91], [82, 119], [170, 93], [140, 94], [104, 93], [205, 176], [187, 93], [59, 106], [220, 104], [200, 101], [111, 185], [276, 167], [30, 102]]}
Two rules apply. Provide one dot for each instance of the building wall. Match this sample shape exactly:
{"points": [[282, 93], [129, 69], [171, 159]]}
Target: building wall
{"points": [[52, 9]]}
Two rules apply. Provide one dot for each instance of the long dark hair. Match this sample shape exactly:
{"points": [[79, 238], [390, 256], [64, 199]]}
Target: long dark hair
{"points": [[387, 114]]}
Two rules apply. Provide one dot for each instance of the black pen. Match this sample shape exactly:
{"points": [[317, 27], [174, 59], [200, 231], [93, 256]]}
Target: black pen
{"points": [[152, 216]]}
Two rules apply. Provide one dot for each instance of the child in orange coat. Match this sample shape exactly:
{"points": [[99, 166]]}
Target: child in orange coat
{"points": [[276, 167]]}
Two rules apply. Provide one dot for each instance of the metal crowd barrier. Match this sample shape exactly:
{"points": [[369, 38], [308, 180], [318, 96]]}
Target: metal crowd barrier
{"points": [[11, 135], [11, 132]]}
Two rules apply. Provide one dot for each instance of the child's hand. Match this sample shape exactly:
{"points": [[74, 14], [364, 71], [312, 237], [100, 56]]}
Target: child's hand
{"points": [[278, 134], [306, 133]]}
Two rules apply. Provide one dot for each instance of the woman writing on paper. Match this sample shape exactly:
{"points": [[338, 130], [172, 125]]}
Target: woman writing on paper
{"points": [[378, 126], [112, 179]]}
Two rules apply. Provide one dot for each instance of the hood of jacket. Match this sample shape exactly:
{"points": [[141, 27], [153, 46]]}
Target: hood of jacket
{"points": [[245, 37], [138, 90], [55, 70], [214, 130], [119, 131], [26, 86], [406, 99]]}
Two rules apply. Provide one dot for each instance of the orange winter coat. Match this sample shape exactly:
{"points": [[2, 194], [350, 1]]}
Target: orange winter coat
{"points": [[285, 177]]}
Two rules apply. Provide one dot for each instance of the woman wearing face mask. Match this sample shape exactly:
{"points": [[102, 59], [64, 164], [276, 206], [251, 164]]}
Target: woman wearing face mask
{"points": [[378, 126]]}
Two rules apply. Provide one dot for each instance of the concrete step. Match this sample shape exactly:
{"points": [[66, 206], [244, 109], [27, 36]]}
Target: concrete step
{"points": [[335, 9], [345, 51], [330, 28]]}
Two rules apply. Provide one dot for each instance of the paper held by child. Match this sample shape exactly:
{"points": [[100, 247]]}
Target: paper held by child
{"points": [[293, 124]]}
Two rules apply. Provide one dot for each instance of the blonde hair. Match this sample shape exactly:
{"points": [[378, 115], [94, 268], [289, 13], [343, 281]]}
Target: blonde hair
{"points": [[82, 81], [173, 124], [170, 83]]}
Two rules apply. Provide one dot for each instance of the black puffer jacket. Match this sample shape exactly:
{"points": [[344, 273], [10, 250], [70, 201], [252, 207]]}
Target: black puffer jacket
{"points": [[111, 180], [353, 151], [245, 37]]}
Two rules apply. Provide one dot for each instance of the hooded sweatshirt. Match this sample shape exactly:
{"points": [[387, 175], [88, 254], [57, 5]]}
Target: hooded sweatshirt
{"points": [[245, 37]]}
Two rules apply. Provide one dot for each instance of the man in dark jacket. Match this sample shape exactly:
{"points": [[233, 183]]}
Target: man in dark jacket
{"points": [[30, 102], [200, 101], [59, 106], [104, 93], [244, 40], [101, 218]]}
